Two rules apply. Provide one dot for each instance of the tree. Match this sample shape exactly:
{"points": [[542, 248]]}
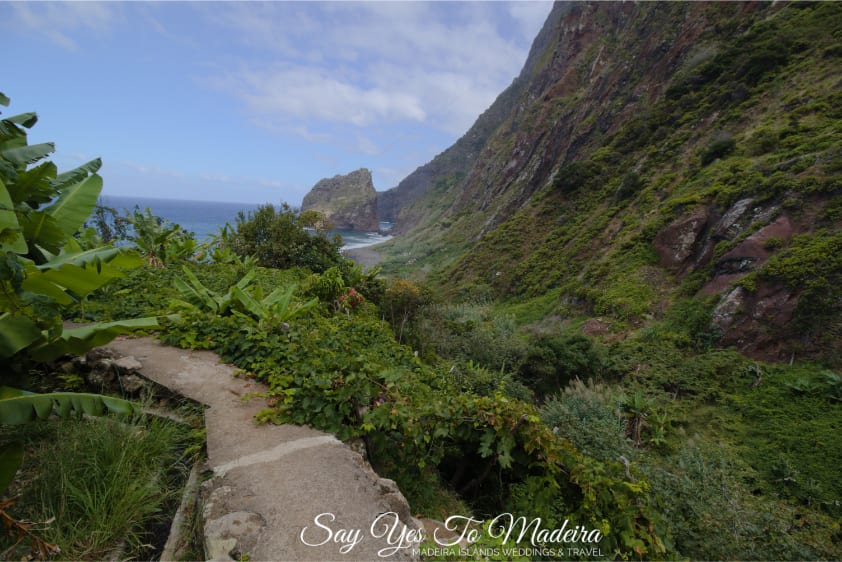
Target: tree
{"points": [[277, 239]]}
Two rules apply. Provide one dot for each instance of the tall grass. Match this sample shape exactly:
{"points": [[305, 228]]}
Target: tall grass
{"points": [[101, 483]]}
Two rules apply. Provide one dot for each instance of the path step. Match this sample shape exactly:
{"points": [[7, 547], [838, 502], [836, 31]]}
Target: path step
{"points": [[278, 492]]}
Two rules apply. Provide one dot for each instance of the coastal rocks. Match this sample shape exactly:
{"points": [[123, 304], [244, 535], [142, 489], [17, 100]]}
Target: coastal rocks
{"points": [[348, 202]]}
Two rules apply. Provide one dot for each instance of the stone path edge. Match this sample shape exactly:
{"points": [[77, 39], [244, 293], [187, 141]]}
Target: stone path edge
{"points": [[271, 482]]}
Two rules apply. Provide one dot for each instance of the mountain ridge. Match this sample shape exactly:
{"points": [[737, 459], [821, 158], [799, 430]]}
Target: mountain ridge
{"points": [[615, 134]]}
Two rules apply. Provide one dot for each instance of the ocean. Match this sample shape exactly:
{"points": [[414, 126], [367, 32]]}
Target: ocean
{"points": [[205, 218]]}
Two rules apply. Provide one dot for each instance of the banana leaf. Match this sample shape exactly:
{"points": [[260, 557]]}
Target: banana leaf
{"points": [[19, 407], [75, 341]]}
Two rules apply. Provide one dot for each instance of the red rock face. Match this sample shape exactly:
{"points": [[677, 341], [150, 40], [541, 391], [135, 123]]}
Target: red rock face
{"points": [[680, 241], [756, 323], [753, 322], [752, 252]]}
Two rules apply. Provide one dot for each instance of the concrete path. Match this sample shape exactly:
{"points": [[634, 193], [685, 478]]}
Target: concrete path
{"points": [[278, 492]]}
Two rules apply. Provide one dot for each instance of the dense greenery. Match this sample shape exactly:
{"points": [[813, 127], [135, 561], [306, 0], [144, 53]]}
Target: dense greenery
{"points": [[552, 365], [276, 238], [682, 414], [741, 456], [48, 263], [751, 113], [344, 372]]}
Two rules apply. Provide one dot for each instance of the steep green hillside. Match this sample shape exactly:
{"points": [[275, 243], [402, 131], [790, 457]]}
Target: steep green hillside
{"points": [[656, 151], [399, 204]]}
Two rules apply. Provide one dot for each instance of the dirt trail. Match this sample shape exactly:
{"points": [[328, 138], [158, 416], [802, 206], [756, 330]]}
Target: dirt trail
{"points": [[274, 487]]}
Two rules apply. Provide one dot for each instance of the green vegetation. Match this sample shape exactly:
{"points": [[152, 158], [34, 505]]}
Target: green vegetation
{"points": [[44, 267], [538, 352], [751, 118], [278, 239], [100, 490], [96, 487], [160, 242]]}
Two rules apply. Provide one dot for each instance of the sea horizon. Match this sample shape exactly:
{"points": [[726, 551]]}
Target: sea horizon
{"points": [[205, 218]]}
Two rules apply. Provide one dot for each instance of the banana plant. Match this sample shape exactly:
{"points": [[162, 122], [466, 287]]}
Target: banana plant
{"points": [[275, 308], [242, 299], [42, 267], [20, 407], [160, 241], [197, 296]]}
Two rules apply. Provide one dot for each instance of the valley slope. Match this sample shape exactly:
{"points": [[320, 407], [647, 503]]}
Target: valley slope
{"points": [[646, 154]]}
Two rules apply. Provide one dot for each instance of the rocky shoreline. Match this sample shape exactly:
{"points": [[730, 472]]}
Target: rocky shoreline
{"points": [[365, 256]]}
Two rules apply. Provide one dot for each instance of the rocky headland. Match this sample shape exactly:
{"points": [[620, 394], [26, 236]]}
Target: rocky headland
{"points": [[348, 202]]}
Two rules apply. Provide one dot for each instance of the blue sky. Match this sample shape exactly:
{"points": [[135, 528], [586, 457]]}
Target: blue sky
{"points": [[255, 102]]}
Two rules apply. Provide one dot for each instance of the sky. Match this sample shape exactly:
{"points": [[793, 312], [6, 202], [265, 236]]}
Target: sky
{"points": [[255, 102]]}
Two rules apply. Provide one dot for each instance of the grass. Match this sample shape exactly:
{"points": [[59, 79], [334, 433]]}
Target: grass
{"points": [[99, 484]]}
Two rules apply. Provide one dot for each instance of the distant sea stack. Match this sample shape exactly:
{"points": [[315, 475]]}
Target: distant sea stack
{"points": [[349, 201]]}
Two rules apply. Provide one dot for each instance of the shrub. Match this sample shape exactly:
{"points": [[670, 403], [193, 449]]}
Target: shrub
{"points": [[631, 184], [712, 515], [721, 146], [277, 239], [402, 301], [346, 374], [590, 416], [552, 361], [577, 176], [468, 332]]}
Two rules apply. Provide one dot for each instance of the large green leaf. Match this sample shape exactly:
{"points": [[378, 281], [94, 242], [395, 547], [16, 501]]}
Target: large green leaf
{"points": [[11, 457], [196, 293], [75, 204], [77, 174], [9, 131], [39, 284], [75, 341], [29, 154], [81, 272], [252, 305], [27, 120], [120, 258], [4, 100], [16, 333], [41, 229], [35, 184], [11, 237], [18, 407], [81, 280]]}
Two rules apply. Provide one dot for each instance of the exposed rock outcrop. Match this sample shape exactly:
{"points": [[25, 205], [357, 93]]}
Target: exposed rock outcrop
{"points": [[348, 202], [676, 243]]}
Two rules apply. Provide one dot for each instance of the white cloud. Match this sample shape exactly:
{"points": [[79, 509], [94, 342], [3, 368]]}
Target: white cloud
{"points": [[60, 22], [308, 93], [365, 63]]}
